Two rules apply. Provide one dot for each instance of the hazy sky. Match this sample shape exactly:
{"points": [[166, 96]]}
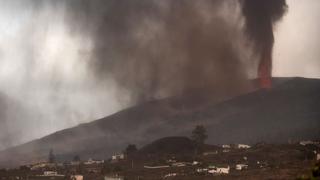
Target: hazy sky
{"points": [[297, 40], [44, 81], [45, 84]]}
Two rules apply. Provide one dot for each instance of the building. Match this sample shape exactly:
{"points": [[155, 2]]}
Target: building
{"points": [[241, 166], [243, 146], [91, 161], [226, 146], [115, 177], [210, 153], [117, 157], [170, 175], [262, 164], [304, 143], [76, 177], [178, 164], [41, 165], [194, 163], [202, 170], [226, 150], [156, 167], [219, 170], [46, 177], [50, 173]]}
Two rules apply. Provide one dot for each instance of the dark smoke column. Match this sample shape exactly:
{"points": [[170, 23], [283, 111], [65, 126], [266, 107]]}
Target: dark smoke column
{"points": [[260, 17]]}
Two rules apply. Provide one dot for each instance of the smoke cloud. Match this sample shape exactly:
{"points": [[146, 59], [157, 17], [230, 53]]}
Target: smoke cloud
{"points": [[69, 61], [260, 17], [158, 49], [45, 82]]}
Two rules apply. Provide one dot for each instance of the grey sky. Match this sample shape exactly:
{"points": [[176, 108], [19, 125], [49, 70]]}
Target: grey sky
{"points": [[297, 41], [44, 82]]}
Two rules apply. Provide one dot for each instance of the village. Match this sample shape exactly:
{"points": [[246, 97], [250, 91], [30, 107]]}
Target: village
{"points": [[224, 161]]}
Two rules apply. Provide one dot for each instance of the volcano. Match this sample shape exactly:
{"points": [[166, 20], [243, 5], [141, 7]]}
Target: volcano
{"points": [[287, 112], [264, 73]]}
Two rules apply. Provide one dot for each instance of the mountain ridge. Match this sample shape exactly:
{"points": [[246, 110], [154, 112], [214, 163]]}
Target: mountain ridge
{"points": [[263, 115]]}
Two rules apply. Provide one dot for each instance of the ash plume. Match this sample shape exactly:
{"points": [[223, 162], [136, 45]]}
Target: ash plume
{"points": [[157, 49], [65, 62], [260, 18]]}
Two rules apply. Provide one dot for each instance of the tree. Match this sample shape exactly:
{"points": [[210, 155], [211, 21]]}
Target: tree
{"points": [[76, 158], [131, 149], [51, 158], [199, 135], [314, 175]]}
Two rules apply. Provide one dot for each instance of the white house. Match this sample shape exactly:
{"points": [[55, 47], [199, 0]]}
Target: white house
{"points": [[178, 164], [156, 167], [262, 164], [113, 178], [220, 170], [91, 161], [226, 146], [241, 166], [171, 161], [170, 175], [243, 146], [304, 143], [195, 163], [226, 150], [38, 166], [318, 157], [76, 177], [117, 157], [202, 170], [50, 173], [210, 153]]}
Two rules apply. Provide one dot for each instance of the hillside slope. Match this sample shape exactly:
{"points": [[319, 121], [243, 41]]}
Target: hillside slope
{"points": [[289, 111]]}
